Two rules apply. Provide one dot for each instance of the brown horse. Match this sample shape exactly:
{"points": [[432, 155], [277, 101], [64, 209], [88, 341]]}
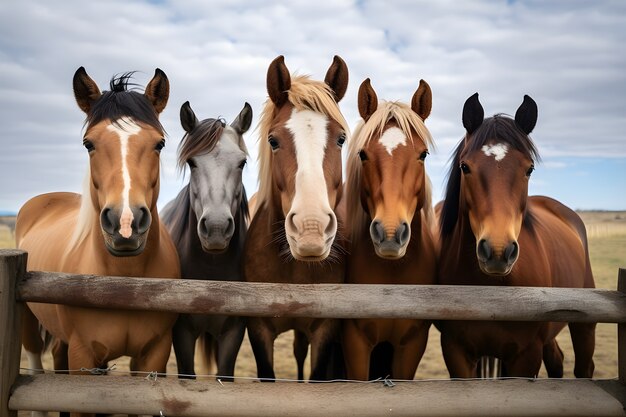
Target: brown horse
{"points": [[389, 206], [493, 233], [293, 236], [113, 228]]}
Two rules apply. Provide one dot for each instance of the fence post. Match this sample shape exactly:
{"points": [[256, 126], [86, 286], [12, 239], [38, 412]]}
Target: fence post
{"points": [[12, 268], [621, 332]]}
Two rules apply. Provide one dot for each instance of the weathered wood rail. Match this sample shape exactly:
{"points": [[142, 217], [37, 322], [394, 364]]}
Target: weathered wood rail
{"points": [[196, 398]]}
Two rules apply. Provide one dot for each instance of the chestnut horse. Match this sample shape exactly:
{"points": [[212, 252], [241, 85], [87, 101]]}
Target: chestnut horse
{"points": [[493, 233], [388, 199], [113, 228], [293, 235], [208, 223]]}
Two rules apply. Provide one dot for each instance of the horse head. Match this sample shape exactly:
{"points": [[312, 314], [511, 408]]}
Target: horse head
{"points": [[495, 161], [124, 139], [216, 155], [386, 167]]}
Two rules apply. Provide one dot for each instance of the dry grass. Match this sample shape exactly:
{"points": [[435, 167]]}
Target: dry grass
{"points": [[607, 241]]}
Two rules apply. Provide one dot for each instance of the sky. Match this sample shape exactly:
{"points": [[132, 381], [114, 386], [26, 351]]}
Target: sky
{"points": [[568, 55]]}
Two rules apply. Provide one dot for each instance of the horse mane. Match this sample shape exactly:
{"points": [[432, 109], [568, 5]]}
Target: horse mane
{"points": [[408, 121], [121, 102], [85, 219], [304, 94], [201, 140], [500, 127]]}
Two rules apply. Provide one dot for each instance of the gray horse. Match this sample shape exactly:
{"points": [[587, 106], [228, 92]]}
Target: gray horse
{"points": [[208, 223]]}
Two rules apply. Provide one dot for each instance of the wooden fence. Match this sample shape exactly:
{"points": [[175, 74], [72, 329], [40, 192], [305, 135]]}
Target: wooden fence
{"points": [[173, 397]]}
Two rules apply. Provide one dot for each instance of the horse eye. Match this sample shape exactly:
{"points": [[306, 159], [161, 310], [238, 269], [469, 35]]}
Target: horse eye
{"points": [[160, 145], [464, 167], [341, 140], [242, 164], [89, 145], [362, 155], [424, 155], [191, 163], [530, 170], [273, 143]]}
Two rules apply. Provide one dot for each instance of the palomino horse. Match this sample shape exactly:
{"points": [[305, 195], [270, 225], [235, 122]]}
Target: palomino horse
{"points": [[111, 229], [208, 223], [389, 206], [493, 233], [293, 236]]}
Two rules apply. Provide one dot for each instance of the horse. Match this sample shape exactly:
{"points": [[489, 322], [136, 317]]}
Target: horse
{"points": [[388, 199], [208, 221], [493, 233], [295, 235], [112, 228]]}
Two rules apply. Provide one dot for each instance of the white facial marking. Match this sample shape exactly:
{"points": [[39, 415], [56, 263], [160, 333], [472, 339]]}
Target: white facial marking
{"points": [[309, 130], [498, 150], [392, 138], [127, 128]]}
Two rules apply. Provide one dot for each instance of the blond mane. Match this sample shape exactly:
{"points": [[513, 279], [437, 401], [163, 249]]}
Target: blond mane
{"points": [[304, 94], [408, 121], [85, 218]]}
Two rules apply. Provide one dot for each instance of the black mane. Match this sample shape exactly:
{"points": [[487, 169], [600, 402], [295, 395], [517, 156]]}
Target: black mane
{"points": [[499, 127], [121, 102]]}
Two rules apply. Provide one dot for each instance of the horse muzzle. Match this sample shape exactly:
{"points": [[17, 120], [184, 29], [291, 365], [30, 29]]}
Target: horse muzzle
{"points": [[496, 261], [310, 239], [215, 235], [125, 232], [391, 244]]}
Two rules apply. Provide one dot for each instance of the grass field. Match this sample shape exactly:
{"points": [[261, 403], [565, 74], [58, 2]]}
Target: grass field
{"points": [[607, 241]]}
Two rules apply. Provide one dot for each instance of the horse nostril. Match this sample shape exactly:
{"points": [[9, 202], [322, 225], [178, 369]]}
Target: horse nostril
{"points": [[483, 251], [377, 232], [107, 220], [142, 220], [332, 222], [202, 227], [402, 233], [511, 252], [230, 227], [291, 221]]}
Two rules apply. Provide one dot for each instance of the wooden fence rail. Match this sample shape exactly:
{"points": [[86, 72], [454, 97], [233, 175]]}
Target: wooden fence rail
{"points": [[197, 398]]}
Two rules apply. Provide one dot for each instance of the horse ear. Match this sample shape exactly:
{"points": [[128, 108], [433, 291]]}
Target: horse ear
{"points": [[86, 91], [422, 101], [473, 114], [158, 90], [526, 115], [368, 101], [337, 77], [278, 81], [243, 120], [188, 118]]}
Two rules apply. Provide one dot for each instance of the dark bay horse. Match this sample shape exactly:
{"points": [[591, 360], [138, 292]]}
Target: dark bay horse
{"points": [[208, 223], [388, 198], [493, 233], [112, 228], [293, 236]]}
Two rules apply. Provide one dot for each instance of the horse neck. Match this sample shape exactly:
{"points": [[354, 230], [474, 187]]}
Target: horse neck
{"points": [[460, 244]]}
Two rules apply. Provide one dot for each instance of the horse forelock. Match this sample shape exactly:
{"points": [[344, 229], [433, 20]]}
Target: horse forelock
{"points": [[121, 102], [304, 94], [201, 140], [410, 124]]}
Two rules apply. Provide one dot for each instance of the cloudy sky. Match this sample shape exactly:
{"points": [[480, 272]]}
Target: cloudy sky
{"points": [[568, 55]]}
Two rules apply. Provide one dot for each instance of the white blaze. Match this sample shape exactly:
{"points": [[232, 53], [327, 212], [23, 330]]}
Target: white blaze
{"points": [[125, 128], [309, 130], [392, 138], [498, 150]]}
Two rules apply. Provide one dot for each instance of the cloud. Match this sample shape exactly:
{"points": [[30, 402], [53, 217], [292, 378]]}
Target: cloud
{"points": [[564, 54]]}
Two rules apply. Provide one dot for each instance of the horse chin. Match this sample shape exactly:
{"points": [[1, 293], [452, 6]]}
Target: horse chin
{"points": [[497, 270], [213, 248], [121, 247], [309, 250], [389, 250]]}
